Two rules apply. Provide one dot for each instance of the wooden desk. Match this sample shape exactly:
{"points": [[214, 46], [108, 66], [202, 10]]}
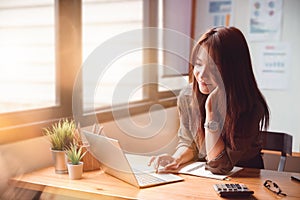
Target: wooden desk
{"points": [[98, 185]]}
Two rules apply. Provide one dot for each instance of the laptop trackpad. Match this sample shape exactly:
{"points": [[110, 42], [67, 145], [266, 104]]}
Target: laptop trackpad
{"points": [[140, 162]]}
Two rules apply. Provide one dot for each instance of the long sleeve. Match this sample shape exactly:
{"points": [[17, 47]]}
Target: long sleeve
{"points": [[189, 118], [185, 134], [247, 145]]}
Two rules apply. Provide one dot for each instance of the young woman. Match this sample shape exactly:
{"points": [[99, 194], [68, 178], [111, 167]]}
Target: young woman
{"points": [[222, 111]]}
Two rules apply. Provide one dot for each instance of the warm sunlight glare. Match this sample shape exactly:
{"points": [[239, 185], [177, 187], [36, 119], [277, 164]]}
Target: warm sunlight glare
{"points": [[27, 67]]}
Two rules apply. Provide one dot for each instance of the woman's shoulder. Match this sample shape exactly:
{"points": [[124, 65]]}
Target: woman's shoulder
{"points": [[186, 91], [185, 96]]}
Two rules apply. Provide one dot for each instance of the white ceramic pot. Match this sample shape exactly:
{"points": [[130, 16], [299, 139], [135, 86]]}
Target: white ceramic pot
{"points": [[75, 171]]}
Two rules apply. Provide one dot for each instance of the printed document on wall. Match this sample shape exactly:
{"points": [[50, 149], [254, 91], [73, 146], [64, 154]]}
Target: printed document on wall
{"points": [[265, 20], [217, 13], [273, 71]]}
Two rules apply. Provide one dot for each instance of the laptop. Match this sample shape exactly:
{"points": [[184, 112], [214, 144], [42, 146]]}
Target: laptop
{"points": [[130, 168]]}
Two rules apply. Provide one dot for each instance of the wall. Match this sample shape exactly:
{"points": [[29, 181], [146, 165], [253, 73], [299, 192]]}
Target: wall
{"points": [[22, 157], [284, 104], [150, 133]]}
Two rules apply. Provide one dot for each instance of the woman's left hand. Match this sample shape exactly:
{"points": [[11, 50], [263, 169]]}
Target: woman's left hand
{"points": [[215, 105]]}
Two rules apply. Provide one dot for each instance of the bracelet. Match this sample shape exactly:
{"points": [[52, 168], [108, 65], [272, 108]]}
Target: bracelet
{"points": [[220, 155]]}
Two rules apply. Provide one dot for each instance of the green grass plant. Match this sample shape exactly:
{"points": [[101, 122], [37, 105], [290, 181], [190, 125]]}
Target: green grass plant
{"points": [[61, 134], [74, 153]]}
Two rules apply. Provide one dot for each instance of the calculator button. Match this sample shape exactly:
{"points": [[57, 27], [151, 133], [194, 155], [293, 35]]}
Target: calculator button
{"points": [[232, 190]]}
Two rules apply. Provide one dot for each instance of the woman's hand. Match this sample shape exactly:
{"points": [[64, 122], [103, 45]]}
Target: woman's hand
{"points": [[168, 163], [215, 105]]}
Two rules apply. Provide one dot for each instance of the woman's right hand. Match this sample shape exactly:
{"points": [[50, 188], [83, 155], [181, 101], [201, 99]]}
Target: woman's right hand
{"points": [[168, 163]]}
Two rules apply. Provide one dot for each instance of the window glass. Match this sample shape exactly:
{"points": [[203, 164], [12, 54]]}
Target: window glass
{"points": [[27, 66], [173, 68], [102, 21]]}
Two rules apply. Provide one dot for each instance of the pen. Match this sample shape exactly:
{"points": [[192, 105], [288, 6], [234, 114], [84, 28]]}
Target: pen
{"points": [[194, 168]]}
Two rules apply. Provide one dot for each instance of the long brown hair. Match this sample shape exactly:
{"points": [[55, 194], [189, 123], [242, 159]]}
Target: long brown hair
{"points": [[228, 48]]}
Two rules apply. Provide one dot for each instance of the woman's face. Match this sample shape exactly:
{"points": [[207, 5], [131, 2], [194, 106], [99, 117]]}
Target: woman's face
{"points": [[206, 72]]}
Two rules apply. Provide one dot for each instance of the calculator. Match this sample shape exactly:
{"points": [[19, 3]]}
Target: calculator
{"points": [[232, 190]]}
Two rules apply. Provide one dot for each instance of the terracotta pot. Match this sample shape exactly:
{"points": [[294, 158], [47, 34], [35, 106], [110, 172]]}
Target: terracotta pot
{"points": [[75, 171]]}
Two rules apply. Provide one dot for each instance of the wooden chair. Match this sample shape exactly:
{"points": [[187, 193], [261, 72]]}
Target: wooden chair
{"points": [[278, 141]]}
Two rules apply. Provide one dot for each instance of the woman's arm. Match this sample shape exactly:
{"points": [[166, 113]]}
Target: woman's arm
{"points": [[186, 148], [218, 161], [214, 145], [215, 116], [182, 155]]}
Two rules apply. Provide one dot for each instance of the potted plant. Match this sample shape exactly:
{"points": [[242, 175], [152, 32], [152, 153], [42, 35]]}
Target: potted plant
{"points": [[61, 135], [75, 166]]}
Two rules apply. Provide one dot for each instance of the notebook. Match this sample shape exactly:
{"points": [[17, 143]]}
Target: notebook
{"points": [[198, 169], [130, 168]]}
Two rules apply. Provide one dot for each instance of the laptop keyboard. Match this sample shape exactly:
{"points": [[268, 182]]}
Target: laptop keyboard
{"points": [[145, 178]]}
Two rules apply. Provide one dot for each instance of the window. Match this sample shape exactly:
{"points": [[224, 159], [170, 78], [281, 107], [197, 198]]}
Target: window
{"points": [[100, 27], [102, 21], [54, 39], [40, 49], [174, 15], [27, 65]]}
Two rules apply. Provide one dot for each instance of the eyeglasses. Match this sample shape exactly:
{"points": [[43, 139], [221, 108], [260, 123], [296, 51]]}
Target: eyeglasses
{"points": [[272, 186]]}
